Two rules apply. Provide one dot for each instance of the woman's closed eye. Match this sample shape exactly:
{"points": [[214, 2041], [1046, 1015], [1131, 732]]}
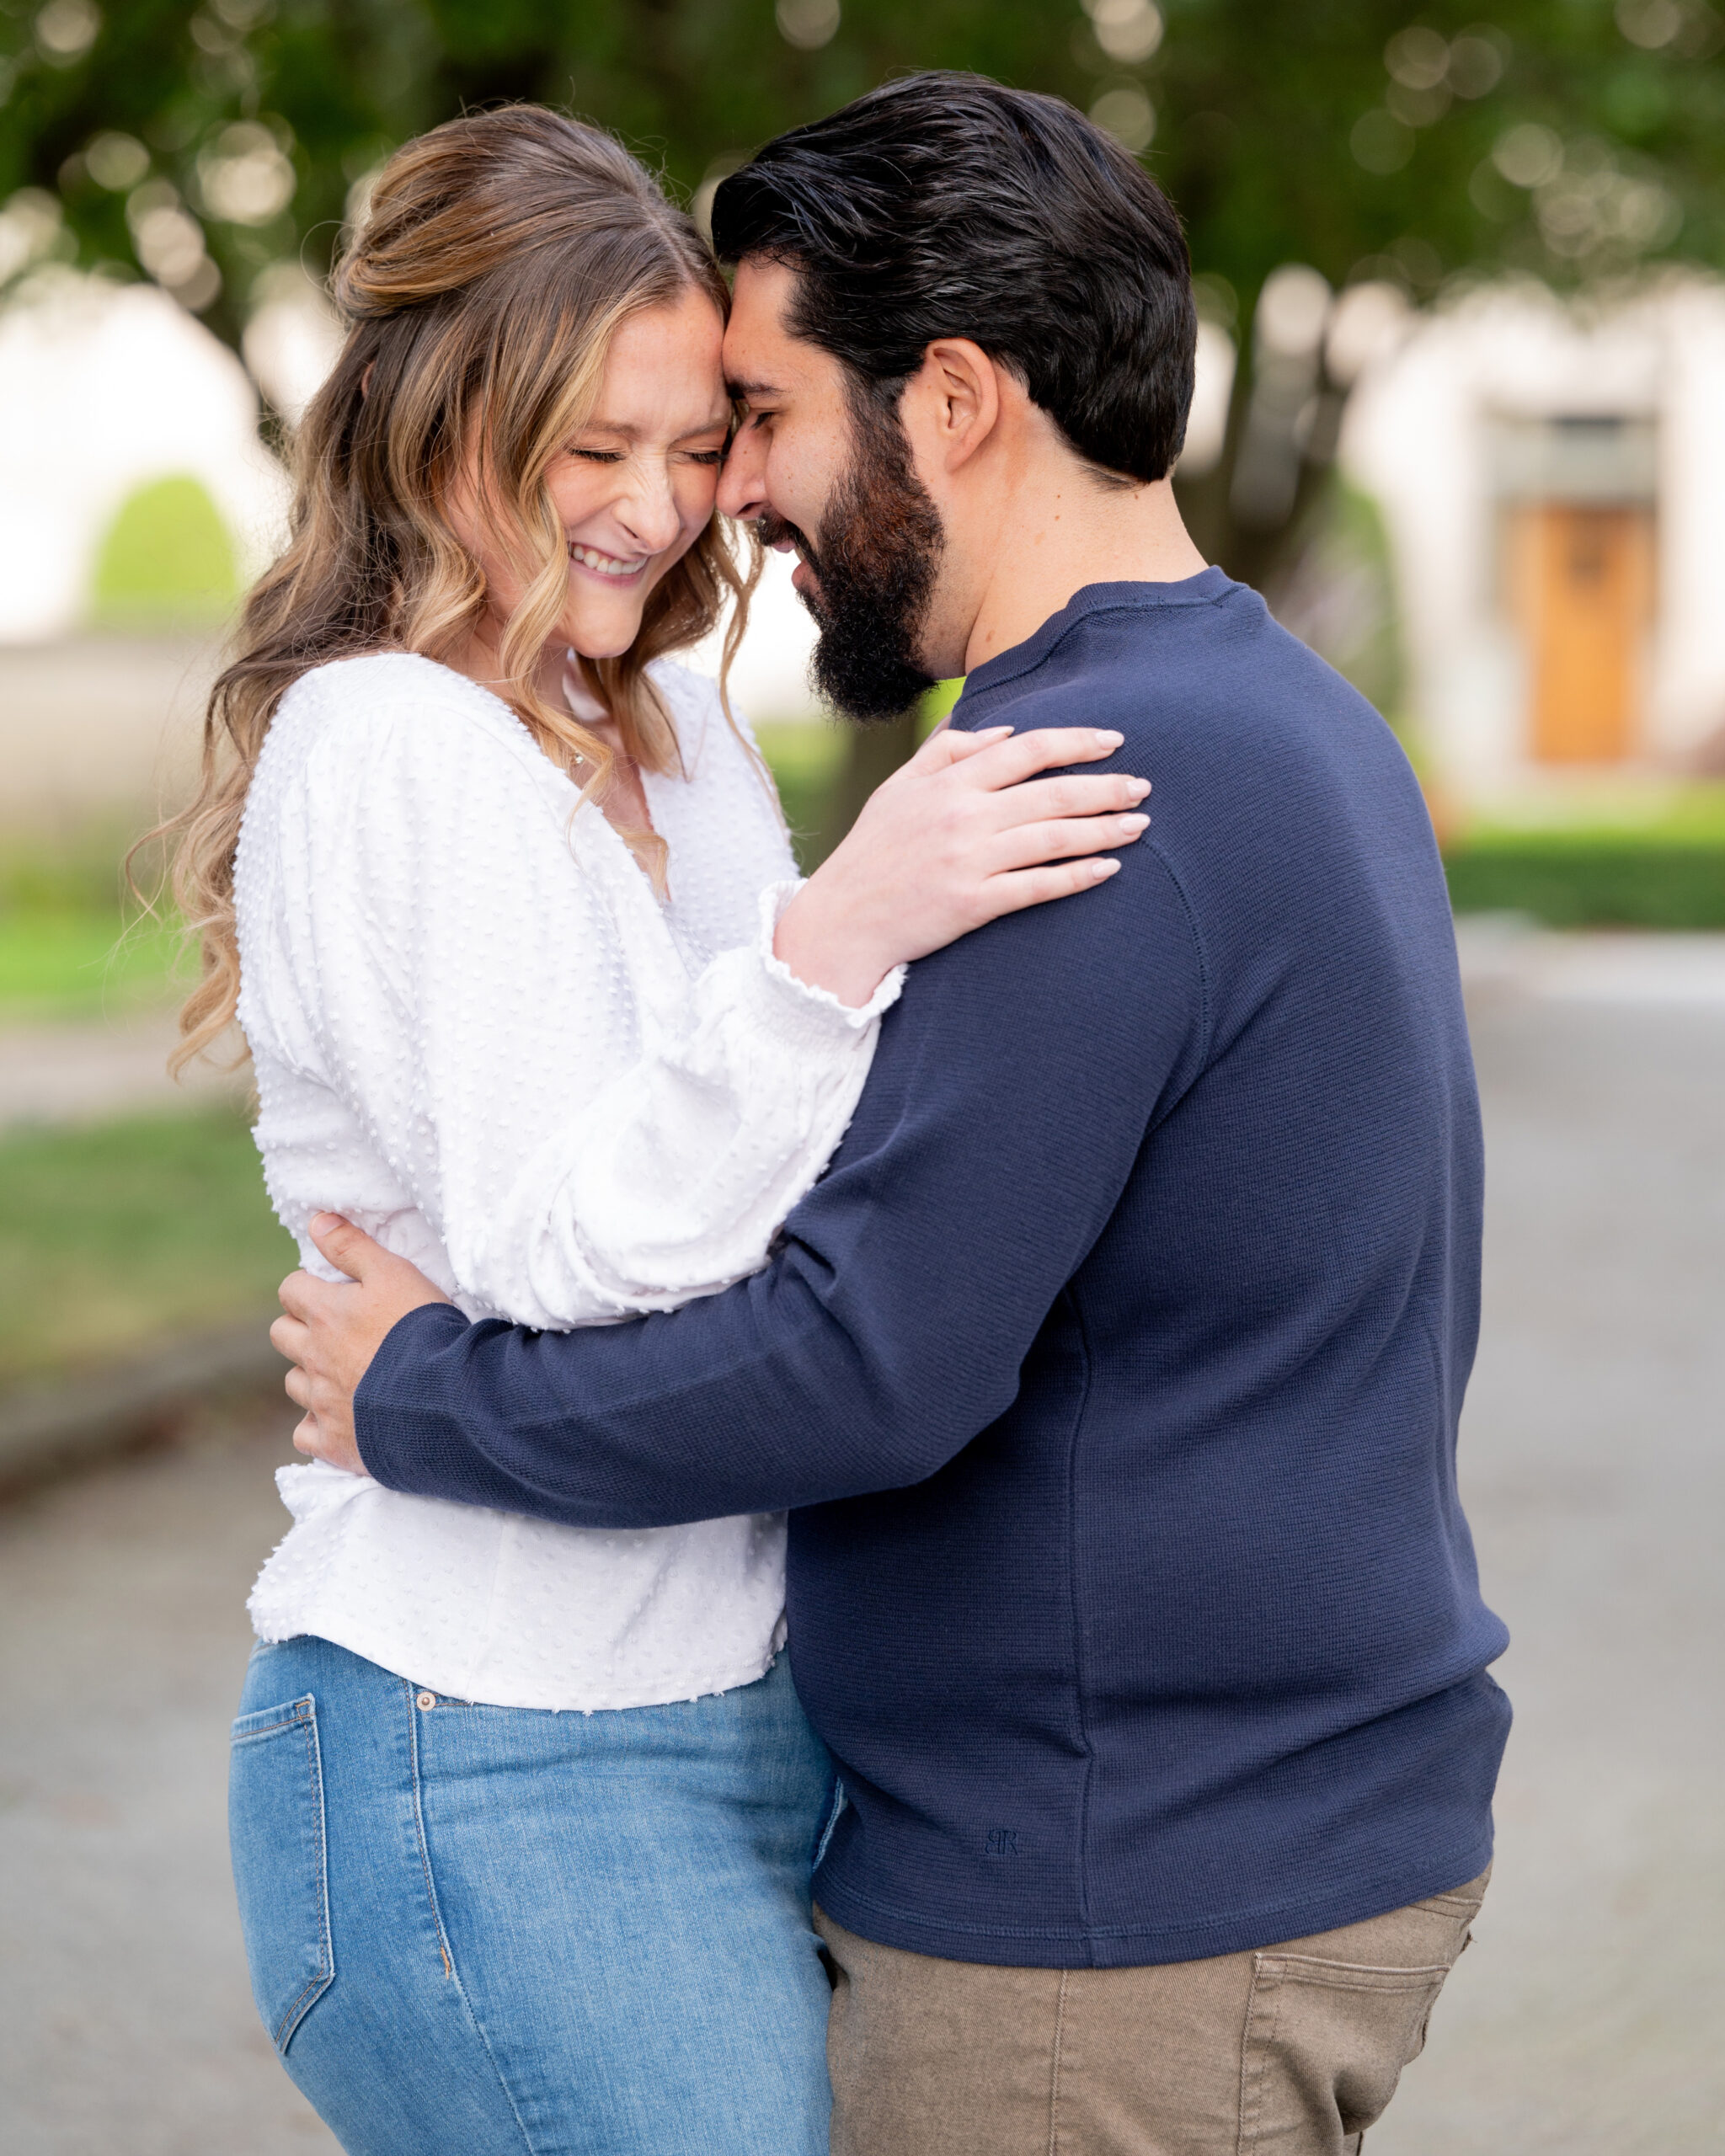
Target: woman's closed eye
{"points": [[709, 456]]}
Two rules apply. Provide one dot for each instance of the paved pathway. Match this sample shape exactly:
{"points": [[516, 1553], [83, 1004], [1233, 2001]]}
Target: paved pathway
{"points": [[100, 727], [127, 2027], [1586, 2020], [82, 1071]]}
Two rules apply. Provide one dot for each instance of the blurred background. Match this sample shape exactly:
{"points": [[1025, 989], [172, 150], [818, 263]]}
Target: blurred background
{"points": [[1461, 415]]}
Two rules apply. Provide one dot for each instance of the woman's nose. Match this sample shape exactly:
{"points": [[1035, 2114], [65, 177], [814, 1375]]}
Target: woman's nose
{"points": [[649, 509]]}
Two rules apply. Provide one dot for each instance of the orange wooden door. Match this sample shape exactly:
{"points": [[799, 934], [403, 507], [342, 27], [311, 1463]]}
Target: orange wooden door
{"points": [[1582, 591]]}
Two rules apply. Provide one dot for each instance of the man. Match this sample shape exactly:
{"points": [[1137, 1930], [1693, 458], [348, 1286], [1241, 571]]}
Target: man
{"points": [[1114, 1368]]}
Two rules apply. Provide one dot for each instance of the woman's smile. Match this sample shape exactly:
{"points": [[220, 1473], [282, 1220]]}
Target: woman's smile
{"points": [[614, 569]]}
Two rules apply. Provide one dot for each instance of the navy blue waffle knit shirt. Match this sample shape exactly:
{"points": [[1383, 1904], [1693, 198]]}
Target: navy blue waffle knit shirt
{"points": [[1111, 1373]]}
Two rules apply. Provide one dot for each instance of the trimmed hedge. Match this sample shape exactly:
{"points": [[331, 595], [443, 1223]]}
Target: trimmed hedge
{"points": [[1669, 872], [1581, 883]]}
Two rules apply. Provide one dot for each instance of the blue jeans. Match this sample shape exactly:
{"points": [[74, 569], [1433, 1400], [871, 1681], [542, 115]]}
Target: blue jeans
{"points": [[489, 1930]]}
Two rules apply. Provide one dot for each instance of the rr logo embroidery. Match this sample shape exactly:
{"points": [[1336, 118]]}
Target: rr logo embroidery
{"points": [[1003, 1841]]}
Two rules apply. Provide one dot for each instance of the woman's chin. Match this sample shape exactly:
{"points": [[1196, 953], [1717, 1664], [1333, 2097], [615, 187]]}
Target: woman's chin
{"points": [[601, 632]]}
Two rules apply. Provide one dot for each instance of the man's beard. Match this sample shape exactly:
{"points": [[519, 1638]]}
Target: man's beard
{"points": [[880, 550]]}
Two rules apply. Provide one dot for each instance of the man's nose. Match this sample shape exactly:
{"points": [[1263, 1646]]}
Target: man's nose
{"points": [[742, 484]]}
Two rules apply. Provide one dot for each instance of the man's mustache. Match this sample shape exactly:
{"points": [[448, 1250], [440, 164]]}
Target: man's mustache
{"points": [[773, 531]]}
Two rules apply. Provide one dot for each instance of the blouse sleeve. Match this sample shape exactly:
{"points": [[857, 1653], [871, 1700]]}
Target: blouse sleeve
{"points": [[589, 1130]]}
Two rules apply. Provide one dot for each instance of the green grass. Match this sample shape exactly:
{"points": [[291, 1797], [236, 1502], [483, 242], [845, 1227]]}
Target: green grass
{"points": [[77, 964], [116, 1238], [1656, 861]]}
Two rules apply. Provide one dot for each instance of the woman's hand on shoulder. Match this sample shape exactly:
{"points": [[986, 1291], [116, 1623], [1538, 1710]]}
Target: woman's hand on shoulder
{"points": [[966, 831]]}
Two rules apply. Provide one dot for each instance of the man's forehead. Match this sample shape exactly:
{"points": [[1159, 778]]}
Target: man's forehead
{"points": [[761, 357]]}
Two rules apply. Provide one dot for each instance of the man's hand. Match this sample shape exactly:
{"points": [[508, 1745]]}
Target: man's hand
{"points": [[332, 1330]]}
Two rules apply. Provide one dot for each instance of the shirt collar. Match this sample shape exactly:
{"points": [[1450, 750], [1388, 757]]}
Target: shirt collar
{"points": [[1204, 589]]}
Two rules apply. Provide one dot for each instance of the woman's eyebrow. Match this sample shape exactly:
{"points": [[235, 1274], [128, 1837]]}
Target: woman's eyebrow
{"points": [[627, 431]]}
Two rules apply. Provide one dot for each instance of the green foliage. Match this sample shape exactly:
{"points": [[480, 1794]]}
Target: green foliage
{"points": [[1259, 111], [111, 1238], [167, 560], [1664, 872], [1575, 140]]}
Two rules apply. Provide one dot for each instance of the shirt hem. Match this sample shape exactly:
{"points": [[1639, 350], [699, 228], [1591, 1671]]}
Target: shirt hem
{"points": [[1148, 1944], [529, 1698]]}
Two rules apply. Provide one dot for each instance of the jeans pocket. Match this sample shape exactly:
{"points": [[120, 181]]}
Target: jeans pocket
{"points": [[280, 1871], [1326, 2042]]}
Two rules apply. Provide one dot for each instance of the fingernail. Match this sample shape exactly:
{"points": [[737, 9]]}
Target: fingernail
{"points": [[1134, 823], [1100, 869], [1138, 788], [1106, 740]]}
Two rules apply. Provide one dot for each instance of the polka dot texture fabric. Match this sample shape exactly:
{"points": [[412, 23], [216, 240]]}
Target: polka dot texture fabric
{"points": [[478, 1033]]}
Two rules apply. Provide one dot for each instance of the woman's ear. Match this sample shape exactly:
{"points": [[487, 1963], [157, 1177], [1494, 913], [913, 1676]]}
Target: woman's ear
{"points": [[365, 378]]}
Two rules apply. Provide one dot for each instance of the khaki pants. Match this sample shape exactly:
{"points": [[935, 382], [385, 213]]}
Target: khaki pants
{"points": [[1294, 2050]]}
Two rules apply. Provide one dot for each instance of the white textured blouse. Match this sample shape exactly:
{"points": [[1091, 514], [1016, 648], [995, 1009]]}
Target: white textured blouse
{"points": [[478, 1033]]}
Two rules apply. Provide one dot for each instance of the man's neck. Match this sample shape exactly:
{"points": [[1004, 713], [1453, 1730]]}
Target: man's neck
{"points": [[1064, 532]]}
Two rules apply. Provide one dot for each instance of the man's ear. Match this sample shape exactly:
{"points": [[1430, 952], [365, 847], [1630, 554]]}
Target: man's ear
{"points": [[951, 405]]}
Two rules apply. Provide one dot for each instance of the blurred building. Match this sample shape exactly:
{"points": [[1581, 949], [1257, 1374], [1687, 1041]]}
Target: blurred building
{"points": [[1553, 482]]}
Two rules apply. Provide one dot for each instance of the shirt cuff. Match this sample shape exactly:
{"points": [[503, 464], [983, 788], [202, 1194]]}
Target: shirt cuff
{"points": [[792, 1006]]}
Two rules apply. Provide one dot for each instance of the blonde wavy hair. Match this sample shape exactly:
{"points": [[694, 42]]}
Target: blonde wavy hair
{"points": [[498, 256]]}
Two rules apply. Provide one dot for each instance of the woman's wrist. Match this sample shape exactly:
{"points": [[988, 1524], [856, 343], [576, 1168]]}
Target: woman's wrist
{"points": [[819, 940]]}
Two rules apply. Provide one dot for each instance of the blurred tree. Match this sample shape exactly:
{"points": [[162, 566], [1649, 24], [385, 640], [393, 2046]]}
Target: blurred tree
{"points": [[1337, 146], [1393, 154], [167, 560]]}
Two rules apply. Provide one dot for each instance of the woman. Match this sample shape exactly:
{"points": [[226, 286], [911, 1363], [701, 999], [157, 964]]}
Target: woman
{"points": [[502, 903]]}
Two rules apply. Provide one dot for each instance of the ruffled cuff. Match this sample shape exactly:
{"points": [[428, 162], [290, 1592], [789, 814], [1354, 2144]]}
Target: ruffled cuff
{"points": [[792, 1007]]}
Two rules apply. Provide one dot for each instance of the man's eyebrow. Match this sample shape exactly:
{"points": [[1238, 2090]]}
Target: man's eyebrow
{"points": [[750, 392]]}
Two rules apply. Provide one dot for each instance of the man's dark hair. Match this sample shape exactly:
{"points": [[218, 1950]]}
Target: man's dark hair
{"points": [[944, 205]]}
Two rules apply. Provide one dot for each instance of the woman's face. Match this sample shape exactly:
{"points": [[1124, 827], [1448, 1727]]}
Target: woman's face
{"points": [[634, 488]]}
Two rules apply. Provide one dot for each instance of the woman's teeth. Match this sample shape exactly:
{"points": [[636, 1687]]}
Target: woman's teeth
{"points": [[590, 557]]}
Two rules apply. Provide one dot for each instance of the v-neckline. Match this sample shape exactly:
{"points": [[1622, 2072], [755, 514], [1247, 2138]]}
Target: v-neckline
{"points": [[650, 783]]}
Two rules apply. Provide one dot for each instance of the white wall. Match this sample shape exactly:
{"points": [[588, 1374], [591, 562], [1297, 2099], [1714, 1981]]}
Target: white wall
{"points": [[1689, 673]]}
